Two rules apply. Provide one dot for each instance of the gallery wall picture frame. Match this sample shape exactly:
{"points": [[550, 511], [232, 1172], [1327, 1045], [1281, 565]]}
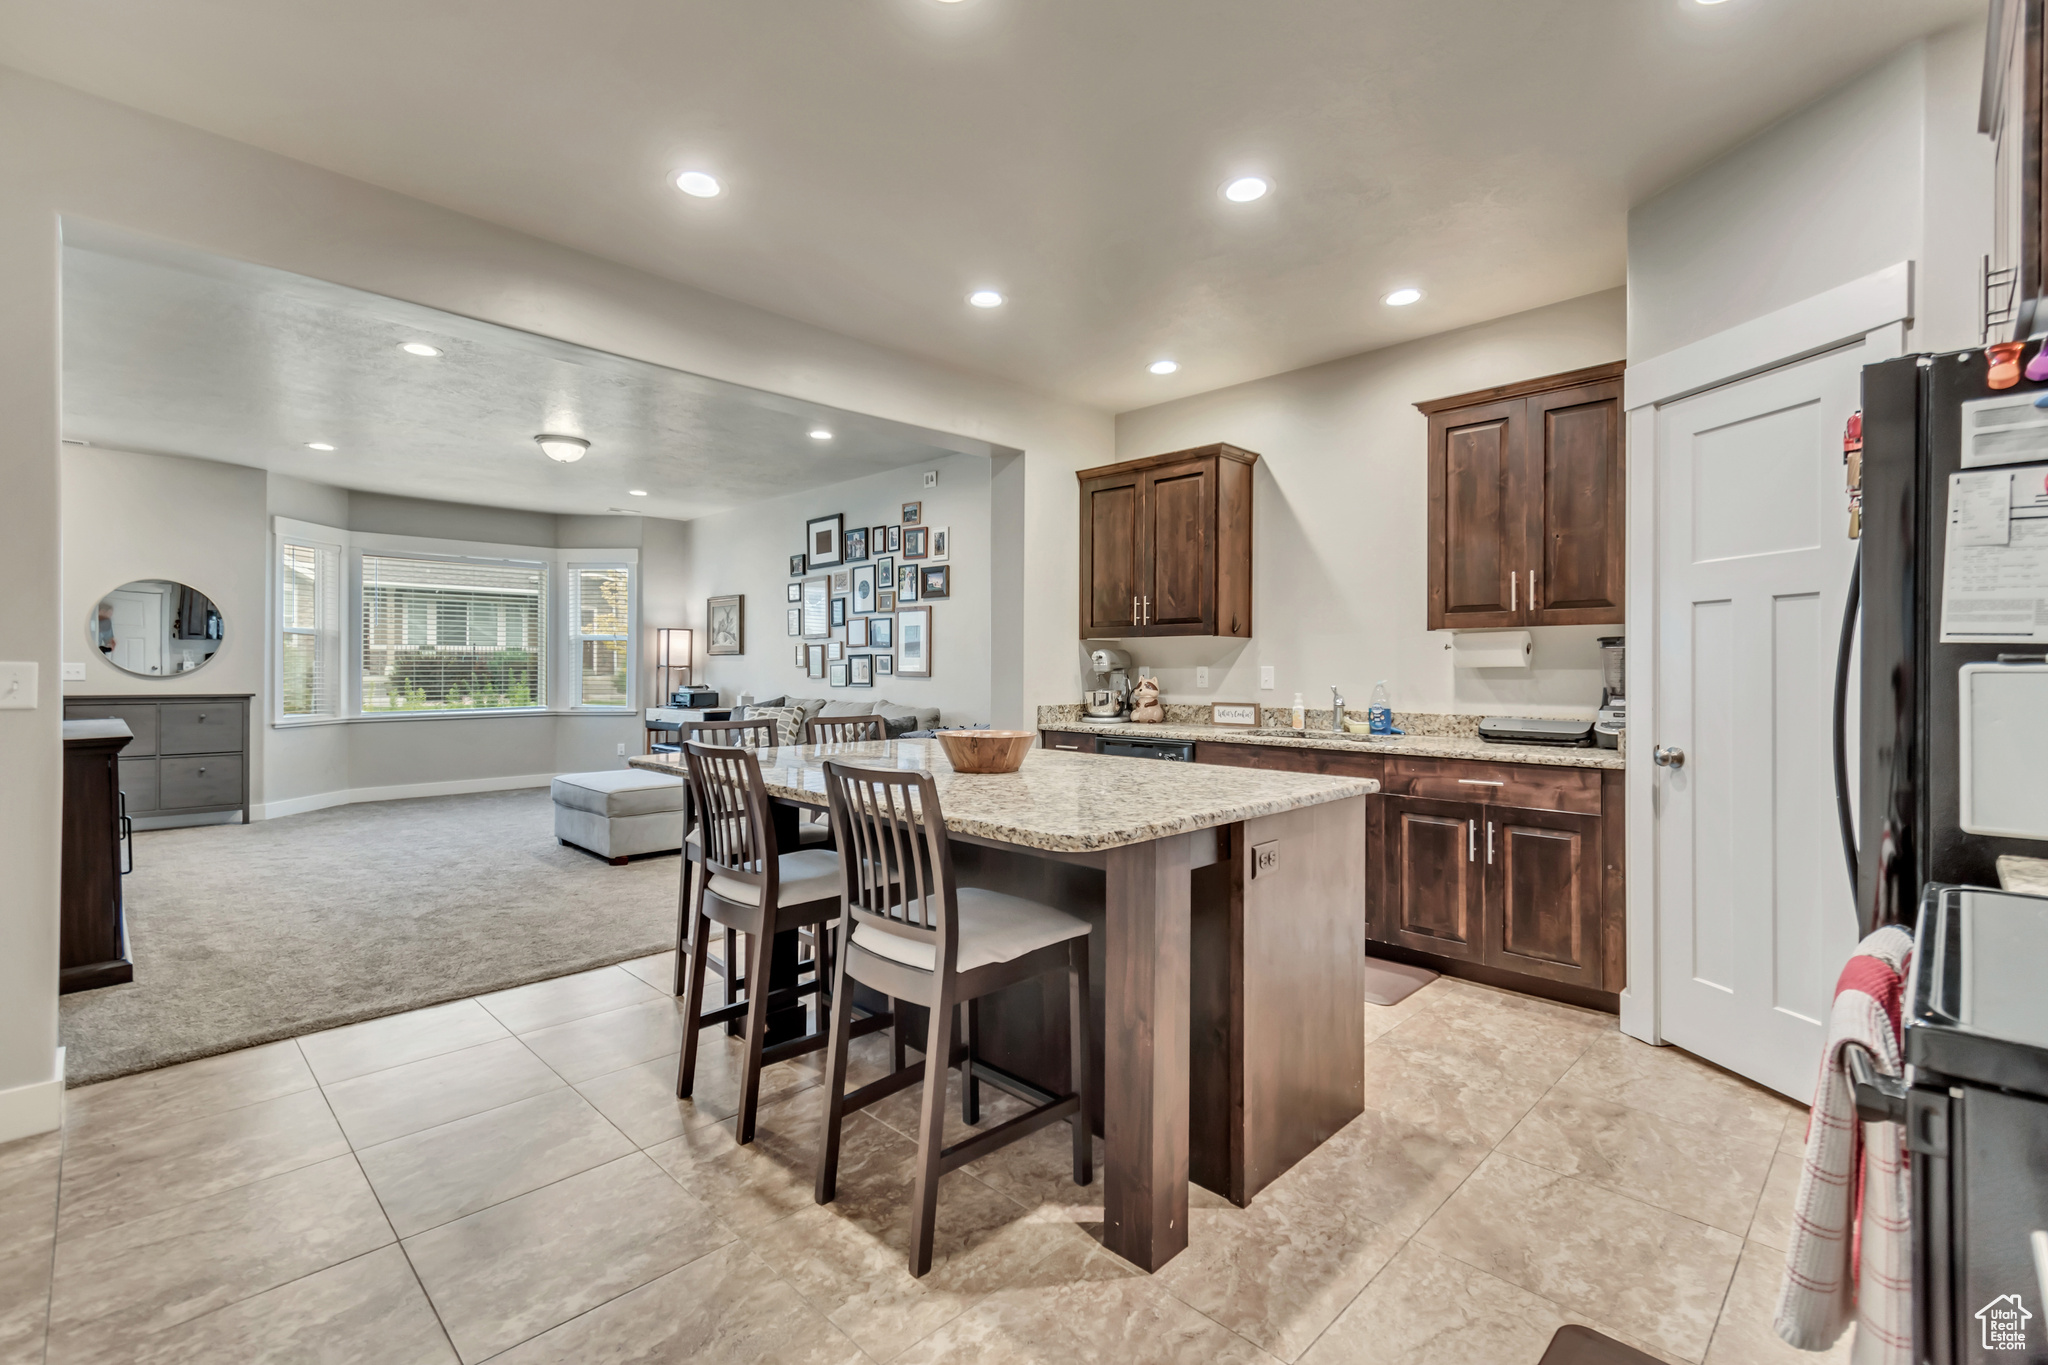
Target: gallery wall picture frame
{"points": [[797, 567], [860, 670], [856, 543], [803, 654], [914, 642], [885, 665], [864, 588], [817, 607], [939, 546], [796, 620], [895, 539], [725, 624], [885, 572], [885, 599], [916, 542], [913, 513], [835, 650], [796, 592], [822, 541], [936, 582], [814, 660], [857, 633], [836, 674], [842, 582], [838, 611], [881, 632], [878, 540], [906, 584]]}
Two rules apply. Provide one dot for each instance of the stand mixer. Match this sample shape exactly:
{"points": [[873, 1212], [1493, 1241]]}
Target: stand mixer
{"points": [[1110, 703]]}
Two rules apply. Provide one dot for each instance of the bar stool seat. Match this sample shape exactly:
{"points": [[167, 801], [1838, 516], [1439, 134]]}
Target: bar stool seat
{"points": [[994, 927], [811, 875]]}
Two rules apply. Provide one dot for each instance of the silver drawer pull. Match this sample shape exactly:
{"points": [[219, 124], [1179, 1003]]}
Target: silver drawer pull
{"points": [[1478, 782]]}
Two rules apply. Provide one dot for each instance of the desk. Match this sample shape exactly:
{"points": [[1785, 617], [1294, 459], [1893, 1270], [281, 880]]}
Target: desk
{"points": [[671, 719], [1267, 969]]}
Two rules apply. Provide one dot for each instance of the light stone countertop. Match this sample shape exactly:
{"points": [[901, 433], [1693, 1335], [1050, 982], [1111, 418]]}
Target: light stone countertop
{"points": [[1399, 746], [1063, 803]]}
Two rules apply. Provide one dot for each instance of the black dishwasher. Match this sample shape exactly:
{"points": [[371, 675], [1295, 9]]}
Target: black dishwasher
{"points": [[1174, 750]]}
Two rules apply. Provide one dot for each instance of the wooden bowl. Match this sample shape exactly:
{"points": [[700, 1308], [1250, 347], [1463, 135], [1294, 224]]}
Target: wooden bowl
{"points": [[986, 751]]}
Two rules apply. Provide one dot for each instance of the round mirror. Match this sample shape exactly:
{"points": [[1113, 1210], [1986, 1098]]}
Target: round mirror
{"points": [[155, 627]]}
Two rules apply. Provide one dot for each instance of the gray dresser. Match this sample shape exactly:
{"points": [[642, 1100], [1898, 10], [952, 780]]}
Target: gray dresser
{"points": [[189, 762]]}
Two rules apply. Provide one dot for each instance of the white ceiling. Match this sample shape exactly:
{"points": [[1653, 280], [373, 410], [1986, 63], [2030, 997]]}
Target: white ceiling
{"points": [[168, 351], [884, 157]]}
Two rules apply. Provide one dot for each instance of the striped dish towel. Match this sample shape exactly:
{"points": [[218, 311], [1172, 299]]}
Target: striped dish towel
{"points": [[1851, 1245]]}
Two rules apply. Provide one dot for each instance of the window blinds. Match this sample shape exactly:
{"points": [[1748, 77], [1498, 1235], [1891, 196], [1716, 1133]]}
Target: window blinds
{"points": [[309, 658], [453, 635], [602, 609]]}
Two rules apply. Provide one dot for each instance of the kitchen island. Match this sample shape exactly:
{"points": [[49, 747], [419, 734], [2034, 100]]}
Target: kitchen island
{"points": [[1227, 956]]}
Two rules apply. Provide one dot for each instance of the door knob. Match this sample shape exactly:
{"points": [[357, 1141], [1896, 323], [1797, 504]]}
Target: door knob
{"points": [[1668, 757]]}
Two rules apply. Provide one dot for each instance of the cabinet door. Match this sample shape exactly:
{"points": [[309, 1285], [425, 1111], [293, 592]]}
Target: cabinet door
{"points": [[1543, 884], [1575, 527], [1110, 549], [1431, 888], [1179, 544], [1477, 525]]}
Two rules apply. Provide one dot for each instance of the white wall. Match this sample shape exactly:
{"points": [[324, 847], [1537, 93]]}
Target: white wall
{"points": [[747, 551], [63, 152], [1339, 576], [1887, 168]]}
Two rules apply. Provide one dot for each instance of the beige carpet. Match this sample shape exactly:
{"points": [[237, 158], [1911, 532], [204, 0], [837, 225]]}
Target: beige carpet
{"points": [[243, 934]]}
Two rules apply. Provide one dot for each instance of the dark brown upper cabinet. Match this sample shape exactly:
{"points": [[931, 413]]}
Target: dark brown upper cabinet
{"points": [[1166, 545], [1526, 509]]}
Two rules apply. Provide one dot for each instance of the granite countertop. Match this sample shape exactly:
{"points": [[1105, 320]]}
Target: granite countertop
{"points": [[1063, 803]]}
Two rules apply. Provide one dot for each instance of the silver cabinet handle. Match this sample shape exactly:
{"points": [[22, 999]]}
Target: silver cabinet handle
{"points": [[1489, 843], [1532, 590], [1514, 581], [1479, 782], [1471, 841], [1668, 757], [1148, 611], [1134, 609]]}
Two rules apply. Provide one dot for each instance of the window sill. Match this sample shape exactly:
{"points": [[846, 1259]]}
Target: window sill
{"points": [[378, 717]]}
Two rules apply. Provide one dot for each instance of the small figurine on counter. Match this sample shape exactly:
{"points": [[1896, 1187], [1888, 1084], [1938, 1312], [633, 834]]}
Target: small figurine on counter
{"points": [[1145, 707]]}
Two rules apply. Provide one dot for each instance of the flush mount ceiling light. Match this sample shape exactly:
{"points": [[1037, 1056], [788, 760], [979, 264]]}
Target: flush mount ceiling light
{"points": [[419, 348], [699, 185], [1164, 366], [820, 434], [567, 449], [636, 492], [985, 298], [318, 445], [1401, 298], [1246, 188]]}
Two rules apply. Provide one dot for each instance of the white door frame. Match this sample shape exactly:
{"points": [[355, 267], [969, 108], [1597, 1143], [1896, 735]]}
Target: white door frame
{"points": [[1877, 303]]}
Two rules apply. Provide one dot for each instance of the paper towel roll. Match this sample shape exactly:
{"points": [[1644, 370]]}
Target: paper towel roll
{"points": [[1490, 649]]}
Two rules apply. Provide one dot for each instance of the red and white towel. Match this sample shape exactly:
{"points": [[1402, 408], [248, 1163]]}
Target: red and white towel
{"points": [[1850, 1256]]}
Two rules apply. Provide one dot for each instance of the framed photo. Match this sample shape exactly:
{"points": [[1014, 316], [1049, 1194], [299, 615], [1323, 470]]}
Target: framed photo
{"points": [[878, 540], [914, 642], [860, 670], [817, 607], [936, 582], [803, 655], [885, 572], [796, 592], [796, 566], [814, 660], [906, 583], [916, 542], [821, 541], [885, 599], [856, 544], [842, 582], [895, 539], [836, 674], [835, 650], [857, 633], [885, 664], [1243, 714], [864, 588], [838, 611], [725, 620], [881, 632], [940, 545], [796, 620], [913, 512]]}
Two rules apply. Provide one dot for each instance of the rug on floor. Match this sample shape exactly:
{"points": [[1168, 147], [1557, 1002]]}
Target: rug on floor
{"points": [[244, 934]]}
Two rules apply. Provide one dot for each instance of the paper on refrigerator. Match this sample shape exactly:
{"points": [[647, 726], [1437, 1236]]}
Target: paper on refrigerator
{"points": [[1994, 582]]}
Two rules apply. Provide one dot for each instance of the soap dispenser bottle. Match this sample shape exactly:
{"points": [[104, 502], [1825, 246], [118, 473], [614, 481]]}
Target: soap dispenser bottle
{"points": [[1298, 718], [1379, 716]]}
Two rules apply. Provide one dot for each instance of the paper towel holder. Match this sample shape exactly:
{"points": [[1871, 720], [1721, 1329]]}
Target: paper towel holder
{"points": [[1491, 649]]}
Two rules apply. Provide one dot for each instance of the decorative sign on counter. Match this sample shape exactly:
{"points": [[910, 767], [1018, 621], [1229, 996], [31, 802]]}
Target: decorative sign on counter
{"points": [[1244, 714]]}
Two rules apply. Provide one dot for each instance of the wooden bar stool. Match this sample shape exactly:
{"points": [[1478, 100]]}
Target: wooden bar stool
{"points": [[750, 734], [910, 933], [747, 885], [845, 730]]}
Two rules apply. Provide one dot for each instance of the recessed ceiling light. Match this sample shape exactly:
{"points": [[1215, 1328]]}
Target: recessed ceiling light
{"points": [[567, 449], [820, 434], [1164, 366], [1401, 298], [318, 445], [1245, 188], [636, 492], [985, 298], [698, 184], [419, 348]]}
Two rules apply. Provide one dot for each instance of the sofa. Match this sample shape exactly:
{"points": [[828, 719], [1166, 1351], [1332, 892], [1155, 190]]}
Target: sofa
{"points": [[899, 720]]}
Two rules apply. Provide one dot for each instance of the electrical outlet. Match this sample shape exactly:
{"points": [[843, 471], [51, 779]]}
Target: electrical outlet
{"points": [[1265, 859], [1266, 676], [18, 687], [622, 751], [1201, 677], [931, 478], [74, 673]]}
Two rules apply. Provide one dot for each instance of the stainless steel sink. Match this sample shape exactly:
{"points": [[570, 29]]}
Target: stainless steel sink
{"points": [[1346, 735]]}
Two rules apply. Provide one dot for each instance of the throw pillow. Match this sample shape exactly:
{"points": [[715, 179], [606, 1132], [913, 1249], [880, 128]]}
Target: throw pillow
{"points": [[789, 721]]}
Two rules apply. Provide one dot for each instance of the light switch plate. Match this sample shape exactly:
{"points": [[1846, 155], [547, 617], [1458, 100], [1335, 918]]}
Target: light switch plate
{"points": [[17, 687], [1201, 677], [1266, 676], [74, 673], [1265, 859]]}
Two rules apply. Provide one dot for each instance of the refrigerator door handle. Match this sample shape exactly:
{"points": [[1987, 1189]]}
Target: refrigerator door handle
{"points": [[1844, 813]]}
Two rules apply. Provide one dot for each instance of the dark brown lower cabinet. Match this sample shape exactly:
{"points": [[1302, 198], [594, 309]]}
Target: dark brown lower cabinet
{"points": [[93, 938], [1431, 891]]}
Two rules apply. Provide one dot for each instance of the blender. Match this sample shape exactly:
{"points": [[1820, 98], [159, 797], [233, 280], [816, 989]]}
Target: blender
{"points": [[1613, 717]]}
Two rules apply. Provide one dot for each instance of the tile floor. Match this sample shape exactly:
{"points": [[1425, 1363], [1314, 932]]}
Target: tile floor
{"points": [[509, 1178]]}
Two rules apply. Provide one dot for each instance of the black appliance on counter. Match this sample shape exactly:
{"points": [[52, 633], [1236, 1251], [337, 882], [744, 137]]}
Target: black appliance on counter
{"points": [[1124, 746], [693, 698]]}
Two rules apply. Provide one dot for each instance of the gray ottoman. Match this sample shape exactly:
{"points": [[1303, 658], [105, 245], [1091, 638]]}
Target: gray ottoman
{"points": [[620, 813]]}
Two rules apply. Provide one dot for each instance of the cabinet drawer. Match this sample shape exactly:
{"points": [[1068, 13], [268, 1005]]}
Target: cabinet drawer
{"points": [[140, 718], [200, 781], [1280, 759], [1071, 743], [138, 784], [202, 727], [1528, 785]]}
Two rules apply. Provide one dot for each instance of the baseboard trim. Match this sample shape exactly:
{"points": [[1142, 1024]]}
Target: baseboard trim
{"points": [[37, 1107], [299, 805]]}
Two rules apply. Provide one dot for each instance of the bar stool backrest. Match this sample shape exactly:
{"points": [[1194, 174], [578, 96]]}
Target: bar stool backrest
{"points": [[732, 814], [895, 861], [750, 734], [845, 730]]}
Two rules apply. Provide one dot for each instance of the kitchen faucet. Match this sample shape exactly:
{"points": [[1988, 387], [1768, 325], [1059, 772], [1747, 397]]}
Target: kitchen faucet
{"points": [[1336, 709]]}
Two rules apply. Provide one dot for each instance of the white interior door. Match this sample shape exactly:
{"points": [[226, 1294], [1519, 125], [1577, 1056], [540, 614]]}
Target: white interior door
{"points": [[138, 626], [1755, 913]]}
